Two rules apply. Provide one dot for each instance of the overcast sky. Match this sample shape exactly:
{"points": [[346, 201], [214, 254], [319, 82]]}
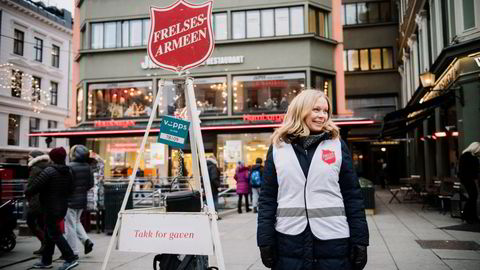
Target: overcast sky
{"points": [[66, 4]]}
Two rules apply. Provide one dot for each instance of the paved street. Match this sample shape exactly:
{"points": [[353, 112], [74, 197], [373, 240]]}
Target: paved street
{"points": [[393, 231]]}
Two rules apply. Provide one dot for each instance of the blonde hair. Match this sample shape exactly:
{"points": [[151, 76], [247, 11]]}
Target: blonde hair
{"points": [[294, 122], [473, 148]]}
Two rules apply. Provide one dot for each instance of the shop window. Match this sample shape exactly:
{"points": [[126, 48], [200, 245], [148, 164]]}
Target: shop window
{"points": [[266, 93], [52, 125], [210, 95], [16, 83], [324, 83], [53, 93], [120, 155], [34, 126], [246, 147], [373, 107], [38, 47], [55, 56], [119, 100], [13, 129], [18, 42], [80, 104], [220, 25]]}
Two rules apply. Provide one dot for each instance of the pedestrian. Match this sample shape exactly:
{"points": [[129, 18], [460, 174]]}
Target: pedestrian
{"points": [[37, 161], [256, 182], [54, 185], [241, 176], [77, 202], [214, 175], [311, 213], [468, 170]]}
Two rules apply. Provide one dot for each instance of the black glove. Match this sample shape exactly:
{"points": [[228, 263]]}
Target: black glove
{"points": [[358, 257], [267, 253]]}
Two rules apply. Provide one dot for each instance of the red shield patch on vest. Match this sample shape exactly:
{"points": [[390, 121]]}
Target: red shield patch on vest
{"points": [[328, 156], [180, 35]]}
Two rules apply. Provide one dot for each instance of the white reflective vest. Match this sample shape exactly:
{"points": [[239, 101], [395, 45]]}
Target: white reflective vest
{"points": [[316, 199]]}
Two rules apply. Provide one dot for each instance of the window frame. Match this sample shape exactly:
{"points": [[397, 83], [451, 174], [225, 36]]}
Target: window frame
{"points": [[380, 19], [359, 59], [15, 131], [18, 43], [55, 56], [36, 92], [33, 141], [38, 48], [53, 93]]}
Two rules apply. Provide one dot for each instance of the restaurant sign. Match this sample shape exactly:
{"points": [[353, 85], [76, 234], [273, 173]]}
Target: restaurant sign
{"points": [[113, 123], [277, 118], [180, 35]]}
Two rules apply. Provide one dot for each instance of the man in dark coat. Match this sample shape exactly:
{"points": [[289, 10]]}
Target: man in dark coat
{"points": [[37, 161], [77, 202], [54, 185], [214, 175]]}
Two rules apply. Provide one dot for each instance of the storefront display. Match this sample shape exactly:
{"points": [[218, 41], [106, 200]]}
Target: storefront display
{"points": [[266, 93]]}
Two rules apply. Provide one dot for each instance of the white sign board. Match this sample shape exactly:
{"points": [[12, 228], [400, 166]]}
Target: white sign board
{"points": [[172, 233], [233, 151], [157, 154]]}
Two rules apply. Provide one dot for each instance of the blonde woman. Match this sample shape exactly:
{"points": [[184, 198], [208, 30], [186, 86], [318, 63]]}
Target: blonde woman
{"points": [[468, 169], [311, 213]]}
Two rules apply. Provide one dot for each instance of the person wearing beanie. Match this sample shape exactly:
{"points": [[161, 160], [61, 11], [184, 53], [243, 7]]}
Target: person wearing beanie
{"points": [[82, 182], [256, 181], [214, 175], [53, 184], [37, 161]]}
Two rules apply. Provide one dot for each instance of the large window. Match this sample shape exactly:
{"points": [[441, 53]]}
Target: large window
{"points": [[18, 42], [55, 56], [119, 100], [34, 125], [324, 83], [318, 22], [53, 93], [210, 94], [367, 12], [267, 22], [266, 93], [38, 49], [13, 129], [368, 59], [220, 26], [16, 83]]}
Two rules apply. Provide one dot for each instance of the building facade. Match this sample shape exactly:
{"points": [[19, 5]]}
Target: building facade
{"points": [[372, 81], [439, 61], [35, 65], [266, 52]]}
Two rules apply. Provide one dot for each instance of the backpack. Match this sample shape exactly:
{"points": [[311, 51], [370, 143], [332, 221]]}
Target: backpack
{"points": [[256, 178]]}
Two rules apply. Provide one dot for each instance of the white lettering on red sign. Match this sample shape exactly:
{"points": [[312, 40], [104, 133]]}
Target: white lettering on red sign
{"points": [[112, 123]]}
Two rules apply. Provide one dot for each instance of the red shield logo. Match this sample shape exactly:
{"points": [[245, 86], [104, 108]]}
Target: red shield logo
{"points": [[328, 156], [180, 35]]}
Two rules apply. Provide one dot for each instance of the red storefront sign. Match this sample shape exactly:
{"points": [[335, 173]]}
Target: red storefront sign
{"points": [[112, 123], [277, 118], [180, 35]]}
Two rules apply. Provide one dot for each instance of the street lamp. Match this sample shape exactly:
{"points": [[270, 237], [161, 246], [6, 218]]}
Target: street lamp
{"points": [[428, 81]]}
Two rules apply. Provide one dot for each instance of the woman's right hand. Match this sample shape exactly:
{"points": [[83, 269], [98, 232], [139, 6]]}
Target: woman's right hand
{"points": [[267, 253]]}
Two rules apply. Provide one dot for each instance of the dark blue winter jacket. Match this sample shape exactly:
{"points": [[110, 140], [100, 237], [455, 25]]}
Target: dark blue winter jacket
{"points": [[305, 251]]}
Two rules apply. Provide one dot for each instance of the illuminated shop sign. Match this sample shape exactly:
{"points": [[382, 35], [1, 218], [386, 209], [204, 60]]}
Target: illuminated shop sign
{"points": [[212, 61], [277, 118], [126, 123], [122, 147]]}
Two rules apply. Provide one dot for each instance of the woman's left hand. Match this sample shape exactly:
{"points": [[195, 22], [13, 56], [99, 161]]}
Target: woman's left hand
{"points": [[358, 257]]}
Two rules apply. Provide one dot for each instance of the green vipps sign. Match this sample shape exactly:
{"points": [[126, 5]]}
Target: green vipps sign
{"points": [[173, 131]]}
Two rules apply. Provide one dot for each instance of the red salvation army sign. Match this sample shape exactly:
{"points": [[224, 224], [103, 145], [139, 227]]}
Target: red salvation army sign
{"points": [[180, 35]]}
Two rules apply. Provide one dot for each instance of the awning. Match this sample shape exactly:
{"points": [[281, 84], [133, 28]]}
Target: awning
{"points": [[401, 121]]}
